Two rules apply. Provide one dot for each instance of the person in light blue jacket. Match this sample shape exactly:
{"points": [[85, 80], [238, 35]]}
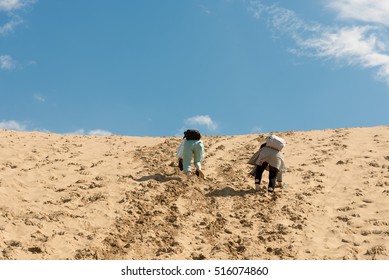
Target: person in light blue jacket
{"points": [[191, 147]]}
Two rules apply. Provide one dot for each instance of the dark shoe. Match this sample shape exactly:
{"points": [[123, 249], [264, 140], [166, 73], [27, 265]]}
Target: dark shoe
{"points": [[199, 173], [270, 189], [180, 164]]}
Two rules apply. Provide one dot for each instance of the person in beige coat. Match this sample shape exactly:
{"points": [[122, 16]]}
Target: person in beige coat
{"points": [[268, 158]]}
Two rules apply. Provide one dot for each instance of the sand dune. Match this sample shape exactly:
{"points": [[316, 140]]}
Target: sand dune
{"points": [[117, 197]]}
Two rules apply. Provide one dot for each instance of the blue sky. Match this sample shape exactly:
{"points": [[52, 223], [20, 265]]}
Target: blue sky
{"points": [[226, 67]]}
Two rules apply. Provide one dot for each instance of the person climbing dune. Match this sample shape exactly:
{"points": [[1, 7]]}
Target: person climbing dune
{"points": [[191, 147], [269, 157]]}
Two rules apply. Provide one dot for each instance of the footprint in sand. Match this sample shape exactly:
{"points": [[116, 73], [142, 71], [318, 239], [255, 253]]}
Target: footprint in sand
{"points": [[359, 192], [36, 250], [343, 218], [376, 251], [38, 236], [94, 198], [13, 243], [345, 209]]}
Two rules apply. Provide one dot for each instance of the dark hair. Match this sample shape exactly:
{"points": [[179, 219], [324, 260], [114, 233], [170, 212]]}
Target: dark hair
{"points": [[192, 134]]}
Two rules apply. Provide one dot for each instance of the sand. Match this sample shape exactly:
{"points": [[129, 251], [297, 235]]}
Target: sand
{"points": [[93, 197]]}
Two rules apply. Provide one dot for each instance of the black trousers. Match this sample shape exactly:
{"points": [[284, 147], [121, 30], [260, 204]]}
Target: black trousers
{"points": [[272, 174]]}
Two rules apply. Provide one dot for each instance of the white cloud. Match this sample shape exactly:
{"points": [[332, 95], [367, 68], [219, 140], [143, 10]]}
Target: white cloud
{"points": [[11, 14], [39, 98], [100, 132], [96, 132], [7, 62], [10, 25], [256, 130], [77, 132], [371, 11], [12, 125], [11, 5], [12, 19], [359, 45], [205, 10], [202, 120], [364, 46]]}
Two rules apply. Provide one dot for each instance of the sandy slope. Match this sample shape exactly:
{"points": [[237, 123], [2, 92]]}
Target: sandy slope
{"points": [[78, 197]]}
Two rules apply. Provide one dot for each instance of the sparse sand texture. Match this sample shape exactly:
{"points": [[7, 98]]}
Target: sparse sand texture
{"points": [[117, 197]]}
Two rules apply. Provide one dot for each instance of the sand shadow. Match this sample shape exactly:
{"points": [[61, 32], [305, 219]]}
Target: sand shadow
{"points": [[228, 191], [158, 177]]}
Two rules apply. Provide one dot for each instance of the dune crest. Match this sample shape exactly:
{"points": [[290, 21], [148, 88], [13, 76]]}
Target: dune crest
{"points": [[119, 197]]}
